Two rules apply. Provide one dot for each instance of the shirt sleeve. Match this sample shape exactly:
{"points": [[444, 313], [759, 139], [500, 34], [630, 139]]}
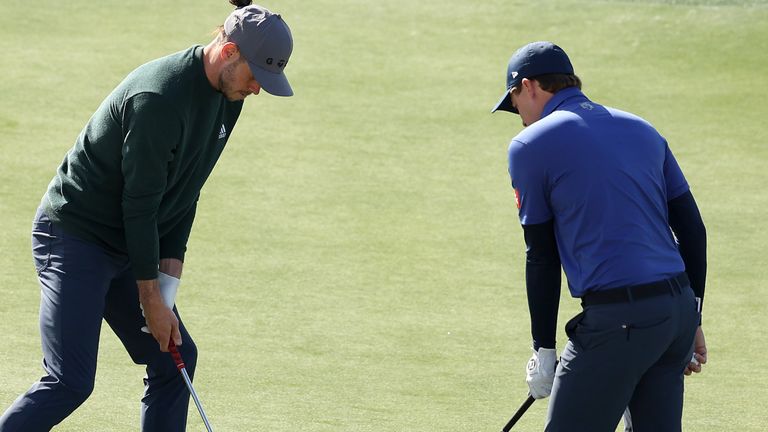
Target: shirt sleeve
{"points": [[673, 175], [151, 130], [529, 183], [685, 221], [542, 281]]}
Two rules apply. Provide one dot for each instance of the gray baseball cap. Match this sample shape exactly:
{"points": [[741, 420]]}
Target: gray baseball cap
{"points": [[536, 58], [265, 41]]}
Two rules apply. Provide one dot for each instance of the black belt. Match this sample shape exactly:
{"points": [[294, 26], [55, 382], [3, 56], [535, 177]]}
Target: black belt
{"points": [[636, 292]]}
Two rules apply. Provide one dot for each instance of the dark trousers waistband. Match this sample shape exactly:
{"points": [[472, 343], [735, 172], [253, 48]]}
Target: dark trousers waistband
{"points": [[637, 292]]}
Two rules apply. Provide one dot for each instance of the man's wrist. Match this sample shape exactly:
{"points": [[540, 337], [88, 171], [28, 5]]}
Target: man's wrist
{"points": [[171, 267], [699, 303], [168, 286], [536, 346], [165, 279], [149, 290]]}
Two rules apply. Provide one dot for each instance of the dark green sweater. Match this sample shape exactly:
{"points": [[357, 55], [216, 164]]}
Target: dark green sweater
{"points": [[132, 180]]}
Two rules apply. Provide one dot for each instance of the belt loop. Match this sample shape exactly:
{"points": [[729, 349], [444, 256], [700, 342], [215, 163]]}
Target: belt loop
{"points": [[629, 294]]}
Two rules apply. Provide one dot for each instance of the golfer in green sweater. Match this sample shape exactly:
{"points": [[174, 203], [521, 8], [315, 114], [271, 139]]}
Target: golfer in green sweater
{"points": [[110, 235]]}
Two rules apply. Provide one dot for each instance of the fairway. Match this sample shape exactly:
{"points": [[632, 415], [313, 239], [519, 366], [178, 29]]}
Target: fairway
{"points": [[357, 263]]}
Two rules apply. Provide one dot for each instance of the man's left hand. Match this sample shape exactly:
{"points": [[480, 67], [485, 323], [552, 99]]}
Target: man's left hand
{"points": [[540, 372], [168, 286]]}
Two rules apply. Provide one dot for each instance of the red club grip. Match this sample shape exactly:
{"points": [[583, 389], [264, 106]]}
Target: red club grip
{"points": [[176, 356]]}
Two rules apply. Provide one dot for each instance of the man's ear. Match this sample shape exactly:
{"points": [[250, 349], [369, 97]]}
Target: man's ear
{"points": [[528, 85], [229, 51]]}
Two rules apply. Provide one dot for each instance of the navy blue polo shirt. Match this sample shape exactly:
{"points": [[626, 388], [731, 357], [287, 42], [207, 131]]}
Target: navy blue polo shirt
{"points": [[604, 176]]}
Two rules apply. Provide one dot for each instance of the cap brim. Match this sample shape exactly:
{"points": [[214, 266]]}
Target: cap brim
{"points": [[505, 104], [274, 83]]}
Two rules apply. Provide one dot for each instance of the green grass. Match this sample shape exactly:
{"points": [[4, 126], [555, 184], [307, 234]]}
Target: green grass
{"points": [[357, 263]]}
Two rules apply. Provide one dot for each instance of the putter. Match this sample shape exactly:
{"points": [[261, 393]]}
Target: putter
{"points": [[520, 411], [180, 365]]}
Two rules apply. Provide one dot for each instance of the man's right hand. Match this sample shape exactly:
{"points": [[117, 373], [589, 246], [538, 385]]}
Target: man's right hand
{"points": [[161, 320], [699, 353]]}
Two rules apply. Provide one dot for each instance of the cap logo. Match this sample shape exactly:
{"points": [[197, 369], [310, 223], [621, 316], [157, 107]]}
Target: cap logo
{"points": [[280, 63], [513, 75]]}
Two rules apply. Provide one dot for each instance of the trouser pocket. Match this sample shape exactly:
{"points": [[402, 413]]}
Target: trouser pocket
{"points": [[43, 238], [590, 330]]}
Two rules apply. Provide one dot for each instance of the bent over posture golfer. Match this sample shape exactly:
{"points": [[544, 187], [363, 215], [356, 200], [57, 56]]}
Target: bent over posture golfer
{"points": [[110, 235], [600, 193]]}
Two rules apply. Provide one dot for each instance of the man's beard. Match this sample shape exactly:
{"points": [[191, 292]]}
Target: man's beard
{"points": [[225, 83]]}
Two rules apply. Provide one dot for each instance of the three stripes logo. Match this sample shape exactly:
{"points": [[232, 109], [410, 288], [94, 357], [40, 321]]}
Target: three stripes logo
{"points": [[222, 132]]}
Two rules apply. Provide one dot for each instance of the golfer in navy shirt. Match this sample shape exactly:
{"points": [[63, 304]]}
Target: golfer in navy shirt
{"points": [[600, 194]]}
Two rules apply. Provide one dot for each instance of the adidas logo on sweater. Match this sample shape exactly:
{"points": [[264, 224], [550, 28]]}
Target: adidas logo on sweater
{"points": [[223, 132]]}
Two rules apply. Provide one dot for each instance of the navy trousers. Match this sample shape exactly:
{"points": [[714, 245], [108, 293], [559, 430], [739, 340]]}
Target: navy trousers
{"points": [[621, 355], [81, 284]]}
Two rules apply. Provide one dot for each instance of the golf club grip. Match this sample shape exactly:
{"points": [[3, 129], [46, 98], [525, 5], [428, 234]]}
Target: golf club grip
{"points": [[520, 411], [176, 355]]}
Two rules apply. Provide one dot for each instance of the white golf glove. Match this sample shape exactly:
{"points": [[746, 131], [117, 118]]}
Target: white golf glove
{"points": [[169, 285], [540, 372]]}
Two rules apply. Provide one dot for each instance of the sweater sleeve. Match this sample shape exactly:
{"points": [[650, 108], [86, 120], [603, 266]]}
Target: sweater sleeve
{"points": [[174, 243], [151, 131]]}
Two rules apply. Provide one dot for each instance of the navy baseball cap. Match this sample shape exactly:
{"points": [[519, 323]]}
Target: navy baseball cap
{"points": [[536, 58], [265, 41]]}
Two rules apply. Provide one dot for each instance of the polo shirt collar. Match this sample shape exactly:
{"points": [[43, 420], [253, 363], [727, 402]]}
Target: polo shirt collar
{"points": [[559, 98]]}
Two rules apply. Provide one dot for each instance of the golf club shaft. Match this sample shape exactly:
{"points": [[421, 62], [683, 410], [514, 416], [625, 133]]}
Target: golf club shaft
{"points": [[195, 398], [180, 365], [520, 411]]}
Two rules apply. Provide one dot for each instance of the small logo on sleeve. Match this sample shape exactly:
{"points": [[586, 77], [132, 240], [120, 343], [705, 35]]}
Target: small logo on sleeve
{"points": [[517, 198], [222, 132]]}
